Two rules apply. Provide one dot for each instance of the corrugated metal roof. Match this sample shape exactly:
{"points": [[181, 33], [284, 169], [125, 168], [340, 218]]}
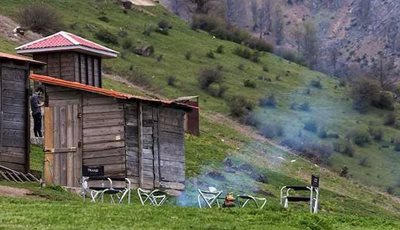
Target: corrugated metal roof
{"points": [[62, 41], [106, 92], [20, 58]]}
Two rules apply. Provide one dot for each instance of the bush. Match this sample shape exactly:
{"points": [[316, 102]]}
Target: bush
{"points": [[208, 77], [249, 84], [376, 133], [106, 36], [385, 101], [188, 55], [397, 145], [210, 54], [265, 68], [291, 55], [271, 130], [311, 126], [365, 92], [344, 146], [171, 80], [251, 119], [316, 83], [243, 52], [122, 33], [305, 107], [104, 18], [220, 49], [268, 101], [127, 44], [316, 152], [148, 29], [164, 27], [390, 119], [246, 53], [359, 137], [364, 162], [136, 77], [239, 105], [322, 133], [40, 18], [259, 44], [241, 66]]}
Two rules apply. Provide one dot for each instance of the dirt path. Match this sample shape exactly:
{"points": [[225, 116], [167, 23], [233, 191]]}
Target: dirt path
{"points": [[14, 192], [143, 2]]}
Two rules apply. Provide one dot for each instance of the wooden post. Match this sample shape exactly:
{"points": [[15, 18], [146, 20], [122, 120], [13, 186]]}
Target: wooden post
{"points": [[48, 145], [140, 136]]}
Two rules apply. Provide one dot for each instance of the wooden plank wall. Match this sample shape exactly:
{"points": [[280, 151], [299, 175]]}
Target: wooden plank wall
{"points": [[14, 107], [149, 151], [71, 66], [132, 143], [171, 148], [104, 134], [63, 156]]}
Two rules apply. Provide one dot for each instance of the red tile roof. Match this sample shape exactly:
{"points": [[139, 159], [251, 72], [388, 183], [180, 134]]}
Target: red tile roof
{"points": [[62, 41], [106, 92], [20, 58]]}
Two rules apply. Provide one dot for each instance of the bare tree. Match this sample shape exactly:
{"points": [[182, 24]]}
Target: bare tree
{"points": [[333, 55], [310, 44], [254, 13], [385, 70], [278, 25], [364, 9], [264, 17]]}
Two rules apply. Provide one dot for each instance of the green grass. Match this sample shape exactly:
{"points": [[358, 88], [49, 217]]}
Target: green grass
{"points": [[345, 204], [36, 158], [32, 214]]}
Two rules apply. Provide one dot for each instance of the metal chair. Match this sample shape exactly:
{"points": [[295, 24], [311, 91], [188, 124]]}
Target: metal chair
{"points": [[120, 192], [312, 198], [209, 197], [248, 198], [155, 197]]}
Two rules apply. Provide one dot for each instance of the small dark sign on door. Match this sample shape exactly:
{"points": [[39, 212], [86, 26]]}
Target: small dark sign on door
{"points": [[315, 181], [93, 171]]}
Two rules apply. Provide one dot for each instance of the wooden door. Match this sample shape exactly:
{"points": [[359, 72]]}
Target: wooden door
{"points": [[63, 153]]}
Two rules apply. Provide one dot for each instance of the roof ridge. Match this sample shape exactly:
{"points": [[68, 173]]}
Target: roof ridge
{"points": [[86, 40], [37, 41], [69, 38]]}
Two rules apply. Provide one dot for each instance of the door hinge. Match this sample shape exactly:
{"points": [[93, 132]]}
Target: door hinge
{"points": [[79, 115]]}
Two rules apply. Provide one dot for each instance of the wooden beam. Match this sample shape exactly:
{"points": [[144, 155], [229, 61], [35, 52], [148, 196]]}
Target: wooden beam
{"points": [[140, 122], [48, 144]]}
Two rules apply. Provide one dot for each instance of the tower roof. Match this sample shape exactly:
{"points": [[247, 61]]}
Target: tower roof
{"points": [[64, 41]]}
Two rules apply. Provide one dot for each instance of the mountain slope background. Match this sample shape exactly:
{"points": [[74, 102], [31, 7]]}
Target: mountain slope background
{"points": [[231, 156], [353, 35]]}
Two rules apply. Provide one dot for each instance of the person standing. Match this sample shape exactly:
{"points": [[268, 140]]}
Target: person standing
{"points": [[36, 107]]}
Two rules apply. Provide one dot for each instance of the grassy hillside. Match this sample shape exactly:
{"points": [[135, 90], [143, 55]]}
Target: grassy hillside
{"points": [[374, 164], [226, 155]]}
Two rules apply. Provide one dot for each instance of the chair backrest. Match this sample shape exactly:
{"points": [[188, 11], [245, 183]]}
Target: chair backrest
{"points": [[315, 181]]}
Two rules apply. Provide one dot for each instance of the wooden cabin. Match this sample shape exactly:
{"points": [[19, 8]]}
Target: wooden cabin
{"points": [[69, 57], [14, 111], [90, 129]]}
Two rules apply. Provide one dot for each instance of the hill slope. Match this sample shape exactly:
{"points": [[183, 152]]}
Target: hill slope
{"points": [[228, 155]]}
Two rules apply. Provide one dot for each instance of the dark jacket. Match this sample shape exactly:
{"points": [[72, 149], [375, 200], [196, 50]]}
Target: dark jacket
{"points": [[35, 105]]}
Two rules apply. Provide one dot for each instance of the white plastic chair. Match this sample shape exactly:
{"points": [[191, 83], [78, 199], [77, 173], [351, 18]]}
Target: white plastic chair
{"points": [[155, 197], [209, 197], [248, 198]]}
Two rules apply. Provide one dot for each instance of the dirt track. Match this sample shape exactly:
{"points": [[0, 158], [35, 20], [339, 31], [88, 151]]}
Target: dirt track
{"points": [[143, 2]]}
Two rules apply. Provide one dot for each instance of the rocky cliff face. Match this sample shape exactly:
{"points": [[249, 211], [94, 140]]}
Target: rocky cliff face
{"points": [[353, 35]]}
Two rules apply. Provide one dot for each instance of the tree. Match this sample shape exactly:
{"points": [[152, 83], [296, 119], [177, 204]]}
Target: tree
{"points": [[364, 11], [333, 54], [310, 44], [278, 26], [385, 70], [264, 17], [254, 13]]}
